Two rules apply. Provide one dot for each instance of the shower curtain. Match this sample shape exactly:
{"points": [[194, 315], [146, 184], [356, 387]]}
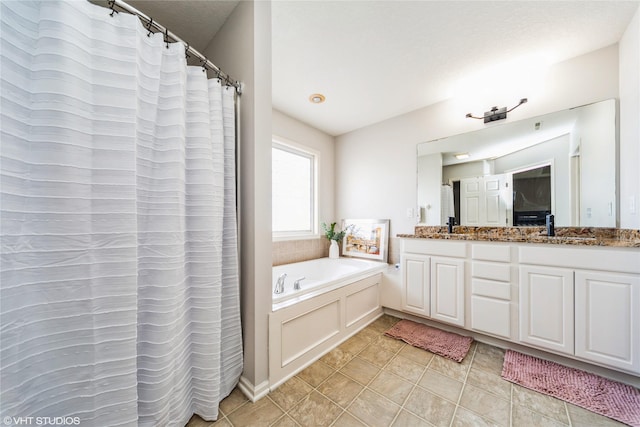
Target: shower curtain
{"points": [[119, 295]]}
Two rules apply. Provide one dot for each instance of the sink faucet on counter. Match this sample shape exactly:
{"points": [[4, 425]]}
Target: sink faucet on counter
{"points": [[451, 223], [550, 223]]}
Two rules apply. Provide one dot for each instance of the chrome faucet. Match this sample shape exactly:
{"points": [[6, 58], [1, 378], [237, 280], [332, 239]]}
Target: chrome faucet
{"points": [[296, 284], [280, 284]]}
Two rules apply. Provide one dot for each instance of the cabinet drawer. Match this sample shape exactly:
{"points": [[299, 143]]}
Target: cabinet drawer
{"points": [[493, 252], [491, 270], [435, 247], [491, 289], [491, 316]]}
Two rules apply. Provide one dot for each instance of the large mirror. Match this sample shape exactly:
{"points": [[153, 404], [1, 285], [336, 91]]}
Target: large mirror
{"points": [[562, 163]]}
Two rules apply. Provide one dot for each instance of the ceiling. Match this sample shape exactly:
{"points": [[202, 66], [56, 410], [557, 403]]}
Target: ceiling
{"points": [[374, 60]]}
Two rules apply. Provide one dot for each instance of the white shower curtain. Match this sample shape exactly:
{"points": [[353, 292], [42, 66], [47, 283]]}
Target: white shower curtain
{"points": [[119, 295]]}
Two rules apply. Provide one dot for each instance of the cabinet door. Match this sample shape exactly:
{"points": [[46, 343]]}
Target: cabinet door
{"points": [[447, 290], [546, 307], [608, 319], [415, 283]]}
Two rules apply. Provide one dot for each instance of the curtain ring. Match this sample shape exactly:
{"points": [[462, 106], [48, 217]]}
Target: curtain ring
{"points": [[149, 25], [186, 52], [112, 5], [204, 65], [166, 37]]}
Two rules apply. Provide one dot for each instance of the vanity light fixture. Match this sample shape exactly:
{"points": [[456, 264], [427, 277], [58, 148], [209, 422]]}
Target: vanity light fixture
{"points": [[317, 98], [461, 156], [496, 113]]}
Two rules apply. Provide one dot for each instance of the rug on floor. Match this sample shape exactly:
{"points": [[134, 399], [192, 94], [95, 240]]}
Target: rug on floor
{"points": [[592, 392], [445, 344]]}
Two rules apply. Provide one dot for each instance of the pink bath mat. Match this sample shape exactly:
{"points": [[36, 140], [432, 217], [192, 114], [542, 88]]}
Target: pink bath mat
{"points": [[446, 344], [592, 392]]}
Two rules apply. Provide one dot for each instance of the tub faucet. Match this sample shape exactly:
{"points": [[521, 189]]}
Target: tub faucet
{"points": [[296, 284], [280, 284]]}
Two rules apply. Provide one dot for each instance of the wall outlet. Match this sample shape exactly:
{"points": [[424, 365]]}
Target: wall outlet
{"points": [[409, 212], [632, 205]]}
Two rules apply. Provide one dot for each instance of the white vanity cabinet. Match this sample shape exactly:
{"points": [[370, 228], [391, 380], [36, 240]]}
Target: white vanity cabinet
{"points": [[583, 302], [433, 279], [607, 318], [416, 277], [546, 308]]}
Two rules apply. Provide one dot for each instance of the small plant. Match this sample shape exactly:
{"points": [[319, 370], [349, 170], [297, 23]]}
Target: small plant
{"points": [[331, 233]]}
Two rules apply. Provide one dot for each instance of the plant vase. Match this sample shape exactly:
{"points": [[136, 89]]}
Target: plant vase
{"points": [[334, 250]]}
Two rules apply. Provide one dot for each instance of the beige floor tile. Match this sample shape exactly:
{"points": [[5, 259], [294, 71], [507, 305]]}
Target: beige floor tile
{"points": [[524, 417], [196, 421], [340, 389], [430, 407], [441, 385], [355, 344], [390, 344], [315, 410], [416, 354], [466, 418], [486, 405], [290, 393], [232, 402], [373, 409], [368, 335], [548, 406], [285, 421], [406, 368], [490, 382], [337, 358], [450, 368], [582, 418], [376, 355], [384, 322], [348, 420], [261, 413], [407, 419], [316, 373], [392, 387], [360, 370], [488, 358]]}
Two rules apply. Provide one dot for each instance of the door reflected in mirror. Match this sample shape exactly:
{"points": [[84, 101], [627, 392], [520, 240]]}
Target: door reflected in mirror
{"points": [[562, 163]]}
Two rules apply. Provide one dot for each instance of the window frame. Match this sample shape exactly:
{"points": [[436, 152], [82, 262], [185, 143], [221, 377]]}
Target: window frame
{"points": [[307, 152]]}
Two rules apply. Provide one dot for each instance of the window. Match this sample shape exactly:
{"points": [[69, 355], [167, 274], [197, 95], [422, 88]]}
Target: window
{"points": [[293, 190]]}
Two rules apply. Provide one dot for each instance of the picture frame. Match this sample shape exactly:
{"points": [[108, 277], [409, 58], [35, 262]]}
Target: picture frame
{"points": [[366, 238]]}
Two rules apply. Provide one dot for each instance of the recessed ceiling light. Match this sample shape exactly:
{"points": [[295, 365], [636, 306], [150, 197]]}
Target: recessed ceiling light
{"points": [[462, 156], [317, 98]]}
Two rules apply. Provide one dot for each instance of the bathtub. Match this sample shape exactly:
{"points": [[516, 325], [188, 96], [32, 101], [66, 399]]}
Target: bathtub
{"points": [[337, 299], [321, 275]]}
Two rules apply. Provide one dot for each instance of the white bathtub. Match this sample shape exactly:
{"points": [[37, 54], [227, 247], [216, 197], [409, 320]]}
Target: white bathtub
{"points": [[321, 275]]}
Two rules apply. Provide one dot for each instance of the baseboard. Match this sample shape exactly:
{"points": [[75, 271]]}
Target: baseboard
{"points": [[253, 393]]}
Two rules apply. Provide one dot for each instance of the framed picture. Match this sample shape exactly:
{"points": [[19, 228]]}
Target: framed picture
{"points": [[366, 238]]}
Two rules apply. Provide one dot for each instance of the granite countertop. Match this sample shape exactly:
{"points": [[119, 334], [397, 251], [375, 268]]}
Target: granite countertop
{"points": [[581, 236]]}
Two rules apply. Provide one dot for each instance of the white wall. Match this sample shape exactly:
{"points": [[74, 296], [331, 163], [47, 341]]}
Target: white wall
{"points": [[429, 183], [242, 48], [630, 124], [291, 129], [376, 165], [597, 186]]}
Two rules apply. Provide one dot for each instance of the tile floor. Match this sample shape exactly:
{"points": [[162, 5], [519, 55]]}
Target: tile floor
{"points": [[373, 380]]}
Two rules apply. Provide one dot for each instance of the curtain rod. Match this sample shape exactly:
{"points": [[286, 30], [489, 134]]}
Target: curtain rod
{"points": [[149, 23]]}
